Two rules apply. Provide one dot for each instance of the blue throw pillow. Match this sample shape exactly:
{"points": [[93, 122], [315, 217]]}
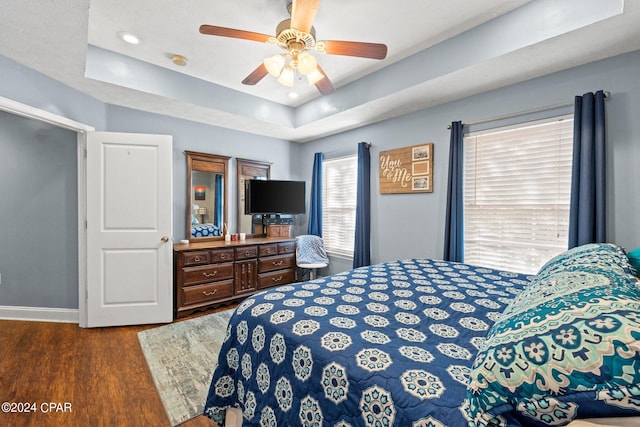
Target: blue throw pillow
{"points": [[567, 347]]}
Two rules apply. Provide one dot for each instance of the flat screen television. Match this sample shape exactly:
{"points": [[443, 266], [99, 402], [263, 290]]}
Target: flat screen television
{"points": [[270, 197]]}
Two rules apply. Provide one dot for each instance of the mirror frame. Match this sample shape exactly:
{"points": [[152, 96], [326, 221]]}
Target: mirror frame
{"points": [[249, 168], [207, 163]]}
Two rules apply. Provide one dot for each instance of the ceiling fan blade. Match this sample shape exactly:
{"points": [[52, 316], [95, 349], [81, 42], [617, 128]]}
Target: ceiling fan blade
{"points": [[256, 75], [303, 13], [213, 30], [360, 49], [324, 85]]}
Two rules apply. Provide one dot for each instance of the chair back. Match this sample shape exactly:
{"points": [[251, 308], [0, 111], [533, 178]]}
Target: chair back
{"points": [[310, 250]]}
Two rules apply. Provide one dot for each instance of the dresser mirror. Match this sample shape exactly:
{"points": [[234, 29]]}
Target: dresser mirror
{"points": [[207, 185], [249, 169]]}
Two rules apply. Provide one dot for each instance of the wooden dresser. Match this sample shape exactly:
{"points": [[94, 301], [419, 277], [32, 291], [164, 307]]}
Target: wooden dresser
{"points": [[212, 273]]}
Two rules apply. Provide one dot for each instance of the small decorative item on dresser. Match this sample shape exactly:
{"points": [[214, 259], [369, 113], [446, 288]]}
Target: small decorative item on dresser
{"points": [[278, 230]]}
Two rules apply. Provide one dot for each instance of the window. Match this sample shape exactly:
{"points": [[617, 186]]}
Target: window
{"points": [[517, 185], [339, 194]]}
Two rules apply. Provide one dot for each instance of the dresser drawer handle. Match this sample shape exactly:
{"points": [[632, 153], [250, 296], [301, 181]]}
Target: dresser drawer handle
{"points": [[205, 274], [248, 253], [208, 294], [279, 263], [223, 256], [196, 259], [276, 279]]}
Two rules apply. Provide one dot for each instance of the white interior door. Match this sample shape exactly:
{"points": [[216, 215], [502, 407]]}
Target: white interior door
{"points": [[129, 224]]}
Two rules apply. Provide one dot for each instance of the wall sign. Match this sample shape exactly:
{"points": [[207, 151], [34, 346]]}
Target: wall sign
{"points": [[407, 170]]}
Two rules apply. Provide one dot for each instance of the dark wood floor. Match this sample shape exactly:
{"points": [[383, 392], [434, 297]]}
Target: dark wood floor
{"points": [[94, 377]]}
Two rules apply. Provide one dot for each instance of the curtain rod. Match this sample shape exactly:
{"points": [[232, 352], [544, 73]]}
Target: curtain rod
{"points": [[345, 151], [607, 95]]}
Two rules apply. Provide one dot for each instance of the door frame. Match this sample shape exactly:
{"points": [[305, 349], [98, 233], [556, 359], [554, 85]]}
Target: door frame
{"points": [[81, 129]]}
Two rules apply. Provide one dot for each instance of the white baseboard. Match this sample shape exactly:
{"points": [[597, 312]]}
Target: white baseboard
{"points": [[40, 314]]}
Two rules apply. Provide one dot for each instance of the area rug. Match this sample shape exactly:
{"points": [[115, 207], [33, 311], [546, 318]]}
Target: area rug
{"points": [[182, 357]]}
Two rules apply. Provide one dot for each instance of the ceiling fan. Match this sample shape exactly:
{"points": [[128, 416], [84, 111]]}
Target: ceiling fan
{"points": [[296, 36]]}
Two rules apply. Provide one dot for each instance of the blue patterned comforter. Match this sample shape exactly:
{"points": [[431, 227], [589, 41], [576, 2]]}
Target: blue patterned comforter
{"points": [[385, 345]]}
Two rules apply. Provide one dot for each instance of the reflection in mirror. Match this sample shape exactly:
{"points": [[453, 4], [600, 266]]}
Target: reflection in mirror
{"points": [[249, 169], [206, 204], [206, 196]]}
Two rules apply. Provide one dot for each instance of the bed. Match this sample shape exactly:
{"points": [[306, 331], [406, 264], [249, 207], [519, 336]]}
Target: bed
{"points": [[432, 343]]}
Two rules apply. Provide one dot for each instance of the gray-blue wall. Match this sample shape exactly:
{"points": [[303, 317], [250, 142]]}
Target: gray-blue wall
{"points": [[402, 225], [206, 139], [29, 87], [39, 214], [412, 225]]}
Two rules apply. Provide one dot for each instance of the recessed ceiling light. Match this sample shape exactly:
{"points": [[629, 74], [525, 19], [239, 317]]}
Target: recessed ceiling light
{"points": [[293, 95], [128, 37]]}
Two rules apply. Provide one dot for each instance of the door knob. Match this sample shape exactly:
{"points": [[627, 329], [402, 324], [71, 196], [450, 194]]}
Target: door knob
{"points": [[164, 239]]}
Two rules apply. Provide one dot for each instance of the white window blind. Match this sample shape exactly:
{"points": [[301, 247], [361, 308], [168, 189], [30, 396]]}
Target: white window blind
{"points": [[339, 191], [517, 184]]}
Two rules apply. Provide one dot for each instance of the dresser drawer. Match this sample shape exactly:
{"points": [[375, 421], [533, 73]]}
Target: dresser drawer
{"points": [[195, 258], [275, 263], [207, 273], [268, 250], [247, 252], [286, 247], [221, 255], [276, 278], [207, 292]]}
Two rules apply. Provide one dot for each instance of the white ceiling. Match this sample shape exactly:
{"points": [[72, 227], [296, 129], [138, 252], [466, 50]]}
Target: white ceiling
{"points": [[168, 27], [52, 38]]}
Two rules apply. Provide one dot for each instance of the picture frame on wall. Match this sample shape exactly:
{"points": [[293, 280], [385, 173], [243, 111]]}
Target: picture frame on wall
{"points": [[421, 152], [420, 183], [407, 170], [200, 192]]}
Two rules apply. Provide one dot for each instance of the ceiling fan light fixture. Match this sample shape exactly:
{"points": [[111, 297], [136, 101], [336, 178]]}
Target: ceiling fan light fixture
{"points": [[286, 77], [296, 36], [307, 63], [274, 64]]}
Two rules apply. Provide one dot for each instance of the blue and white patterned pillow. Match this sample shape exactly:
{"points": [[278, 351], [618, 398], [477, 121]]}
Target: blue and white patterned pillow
{"points": [[567, 347]]}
